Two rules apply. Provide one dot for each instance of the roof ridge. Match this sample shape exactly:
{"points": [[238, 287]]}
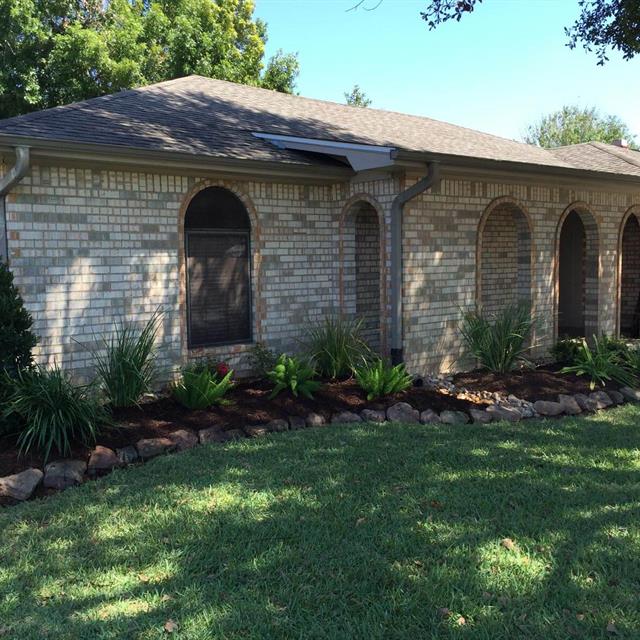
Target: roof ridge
{"points": [[72, 106]]}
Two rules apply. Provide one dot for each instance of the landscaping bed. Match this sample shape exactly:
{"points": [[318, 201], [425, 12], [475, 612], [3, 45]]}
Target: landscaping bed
{"points": [[542, 383]]}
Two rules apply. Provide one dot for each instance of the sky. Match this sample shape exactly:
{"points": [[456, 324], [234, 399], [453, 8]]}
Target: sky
{"points": [[498, 70]]}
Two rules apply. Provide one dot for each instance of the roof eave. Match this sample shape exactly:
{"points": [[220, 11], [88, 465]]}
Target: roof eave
{"points": [[467, 162], [169, 161]]}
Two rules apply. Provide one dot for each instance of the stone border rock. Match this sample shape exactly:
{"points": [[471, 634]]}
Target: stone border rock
{"points": [[61, 474]]}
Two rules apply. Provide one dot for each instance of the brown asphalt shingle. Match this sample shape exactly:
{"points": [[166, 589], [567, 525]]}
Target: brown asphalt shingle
{"points": [[215, 118]]}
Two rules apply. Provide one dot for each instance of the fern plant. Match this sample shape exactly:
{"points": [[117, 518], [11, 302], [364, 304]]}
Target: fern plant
{"points": [[295, 375], [380, 379], [199, 388]]}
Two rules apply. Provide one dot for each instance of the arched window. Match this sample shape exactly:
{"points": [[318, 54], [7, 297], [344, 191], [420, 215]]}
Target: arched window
{"points": [[217, 248]]}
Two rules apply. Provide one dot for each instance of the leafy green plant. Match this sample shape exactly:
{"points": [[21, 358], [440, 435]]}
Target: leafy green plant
{"points": [[200, 388], [380, 379], [565, 350], [337, 346], [262, 359], [127, 367], [295, 375], [600, 364], [56, 413], [499, 341]]}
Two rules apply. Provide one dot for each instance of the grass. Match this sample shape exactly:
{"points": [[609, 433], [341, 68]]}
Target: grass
{"points": [[345, 532]]}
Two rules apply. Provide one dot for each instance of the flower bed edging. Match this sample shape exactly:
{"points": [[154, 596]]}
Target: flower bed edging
{"points": [[61, 474]]}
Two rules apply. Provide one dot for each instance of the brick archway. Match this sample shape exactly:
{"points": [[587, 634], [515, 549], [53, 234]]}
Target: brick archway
{"points": [[577, 273], [504, 274]]}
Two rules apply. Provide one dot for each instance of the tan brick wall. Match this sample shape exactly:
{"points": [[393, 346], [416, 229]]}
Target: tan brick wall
{"points": [[90, 246]]}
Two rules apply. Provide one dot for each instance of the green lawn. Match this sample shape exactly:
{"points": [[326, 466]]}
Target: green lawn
{"points": [[344, 532]]}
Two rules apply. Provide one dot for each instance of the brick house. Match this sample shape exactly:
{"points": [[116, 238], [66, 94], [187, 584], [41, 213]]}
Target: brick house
{"points": [[248, 214]]}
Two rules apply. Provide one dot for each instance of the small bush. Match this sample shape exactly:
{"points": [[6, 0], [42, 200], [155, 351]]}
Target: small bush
{"points": [[56, 413], [127, 368], [262, 359], [601, 364], [499, 341], [200, 389], [295, 375], [380, 379], [566, 350], [337, 346]]}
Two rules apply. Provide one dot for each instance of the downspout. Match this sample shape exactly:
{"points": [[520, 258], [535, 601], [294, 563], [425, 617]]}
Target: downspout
{"points": [[397, 208], [7, 182]]}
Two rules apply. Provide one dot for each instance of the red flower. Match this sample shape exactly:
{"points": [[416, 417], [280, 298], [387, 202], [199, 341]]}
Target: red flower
{"points": [[222, 369]]}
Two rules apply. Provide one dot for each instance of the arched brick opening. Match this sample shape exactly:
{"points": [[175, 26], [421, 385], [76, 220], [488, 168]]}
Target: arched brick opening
{"points": [[361, 266], [577, 275], [504, 257], [629, 251]]}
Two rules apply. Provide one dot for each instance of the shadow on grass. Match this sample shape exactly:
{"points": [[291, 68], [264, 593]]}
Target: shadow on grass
{"points": [[362, 531]]}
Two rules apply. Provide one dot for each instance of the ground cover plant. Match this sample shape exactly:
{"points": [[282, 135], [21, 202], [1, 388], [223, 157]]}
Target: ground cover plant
{"points": [[499, 341], [293, 374], [199, 388], [494, 531], [379, 378]]}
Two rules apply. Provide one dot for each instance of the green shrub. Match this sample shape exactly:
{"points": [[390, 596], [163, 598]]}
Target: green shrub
{"points": [[499, 341], [200, 388], [337, 346], [565, 350], [380, 379], [600, 364], [127, 368], [262, 359], [56, 413], [293, 374]]}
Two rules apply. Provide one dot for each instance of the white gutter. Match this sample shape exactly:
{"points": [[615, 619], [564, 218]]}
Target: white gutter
{"points": [[7, 182]]}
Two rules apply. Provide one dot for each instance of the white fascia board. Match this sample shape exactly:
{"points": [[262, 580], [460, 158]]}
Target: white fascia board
{"points": [[360, 156]]}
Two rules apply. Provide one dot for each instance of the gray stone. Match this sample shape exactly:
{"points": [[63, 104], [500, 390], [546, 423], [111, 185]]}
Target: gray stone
{"points": [[403, 412], [372, 415], [345, 417], [616, 396], [21, 485], [256, 430], [212, 434], [297, 422], [569, 405], [128, 455], [601, 399], [500, 412], [585, 402], [101, 460], [429, 416], [64, 473], [480, 415], [234, 434], [278, 425], [454, 417], [183, 439], [548, 408], [632, 395], [315, 420], [152, 447], [527, 410]]}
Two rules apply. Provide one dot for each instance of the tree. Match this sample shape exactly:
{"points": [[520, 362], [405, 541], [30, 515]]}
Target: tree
{"points": [[357, 97], [573, 125], [58, 51], [601, 25]]}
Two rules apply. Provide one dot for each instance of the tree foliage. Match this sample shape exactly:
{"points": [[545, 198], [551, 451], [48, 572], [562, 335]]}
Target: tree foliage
{"points": [[58, 51], [357, 97], [600, 26], [573, 125]]}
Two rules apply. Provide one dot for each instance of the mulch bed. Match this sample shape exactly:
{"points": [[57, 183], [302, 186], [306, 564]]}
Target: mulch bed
{"points": [[543, 383], [250, 404]]}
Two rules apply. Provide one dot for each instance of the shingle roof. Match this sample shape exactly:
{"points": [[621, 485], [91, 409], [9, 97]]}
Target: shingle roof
{"points": [[215, 118], [597, 156]]}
